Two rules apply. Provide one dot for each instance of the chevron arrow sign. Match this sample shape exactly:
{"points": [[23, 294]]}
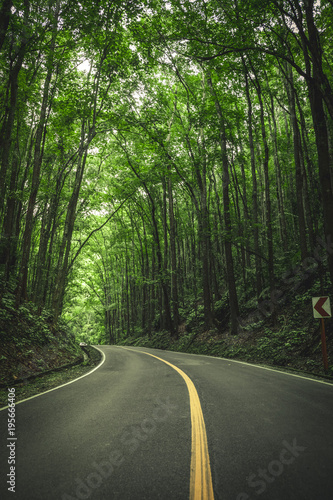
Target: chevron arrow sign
{"points": [[321, 307]]}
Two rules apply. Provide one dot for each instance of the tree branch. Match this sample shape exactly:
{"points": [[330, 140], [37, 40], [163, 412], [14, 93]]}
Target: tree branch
{"points": [[95, 231]]}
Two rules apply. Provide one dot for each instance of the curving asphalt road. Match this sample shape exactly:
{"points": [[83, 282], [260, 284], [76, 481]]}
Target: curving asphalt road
{"points": [[124, 432]]}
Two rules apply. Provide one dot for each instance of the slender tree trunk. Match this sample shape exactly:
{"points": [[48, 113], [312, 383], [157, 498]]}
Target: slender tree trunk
{"points": [[63, 258], [204, 237], [174, 272], [298, 167], [282, 219], [166, 244], [320, 91], [156, 236], [233, 300], [8, 122], [4, 19], [8, 255], [268, 211], [38, 155], [319, 78], [44, 242], [255, 217], [320, 127], [239, 223]]}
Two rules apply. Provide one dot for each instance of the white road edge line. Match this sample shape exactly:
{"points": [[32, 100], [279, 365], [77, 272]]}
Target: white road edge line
{"points": [[62, 385], [276, 370]]}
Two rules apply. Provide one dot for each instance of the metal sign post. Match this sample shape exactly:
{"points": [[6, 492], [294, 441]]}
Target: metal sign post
{"points": [[323, 344], [322, 309]]}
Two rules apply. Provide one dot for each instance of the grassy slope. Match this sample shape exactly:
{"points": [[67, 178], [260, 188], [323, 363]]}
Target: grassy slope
{"points": [[30, 343], [26, 389]]}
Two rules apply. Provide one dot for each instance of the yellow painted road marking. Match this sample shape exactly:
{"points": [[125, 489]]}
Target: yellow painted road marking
{"points": [[201, 486]]}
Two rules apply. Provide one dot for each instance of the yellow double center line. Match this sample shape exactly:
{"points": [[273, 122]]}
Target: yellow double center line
{"points": [[201, 487]]}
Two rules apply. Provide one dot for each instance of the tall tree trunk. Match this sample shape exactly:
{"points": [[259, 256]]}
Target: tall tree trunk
{"points": [[204, 238], [316, 84], [298, 166], [233, 300], [4, 19], [319, 122], [63, 258], [258, 271], [38, 155], [174, 271], [166, 243], [10, 112], [320, 91], [157, 244], [279, 193], [45, 243], [8, 255], [268, 211], [319, 79]]}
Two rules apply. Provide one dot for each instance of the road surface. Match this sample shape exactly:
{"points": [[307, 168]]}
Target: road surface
{"points": [[151, 424]]}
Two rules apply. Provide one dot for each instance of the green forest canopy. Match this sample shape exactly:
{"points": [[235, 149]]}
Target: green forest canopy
{"points": [[164, 159]]}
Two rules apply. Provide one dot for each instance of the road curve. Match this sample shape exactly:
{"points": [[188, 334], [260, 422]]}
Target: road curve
{"points": [[124, 432]]}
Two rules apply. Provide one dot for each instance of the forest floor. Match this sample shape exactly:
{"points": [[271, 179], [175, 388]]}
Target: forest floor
{"points": [[289, 339]]}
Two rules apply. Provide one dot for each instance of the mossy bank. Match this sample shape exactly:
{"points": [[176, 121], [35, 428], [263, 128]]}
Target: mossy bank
{"points": [[31, 343]]}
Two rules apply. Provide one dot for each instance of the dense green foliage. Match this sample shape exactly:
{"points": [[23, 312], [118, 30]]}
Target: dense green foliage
{"points": [[31, 344], [164, 165]]}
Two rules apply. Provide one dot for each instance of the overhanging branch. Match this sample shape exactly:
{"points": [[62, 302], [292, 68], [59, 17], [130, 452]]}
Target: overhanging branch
{"points": [[95, 231]]}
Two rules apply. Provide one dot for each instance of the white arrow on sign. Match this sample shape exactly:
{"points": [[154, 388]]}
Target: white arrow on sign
{"points": [[321, 307]]}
